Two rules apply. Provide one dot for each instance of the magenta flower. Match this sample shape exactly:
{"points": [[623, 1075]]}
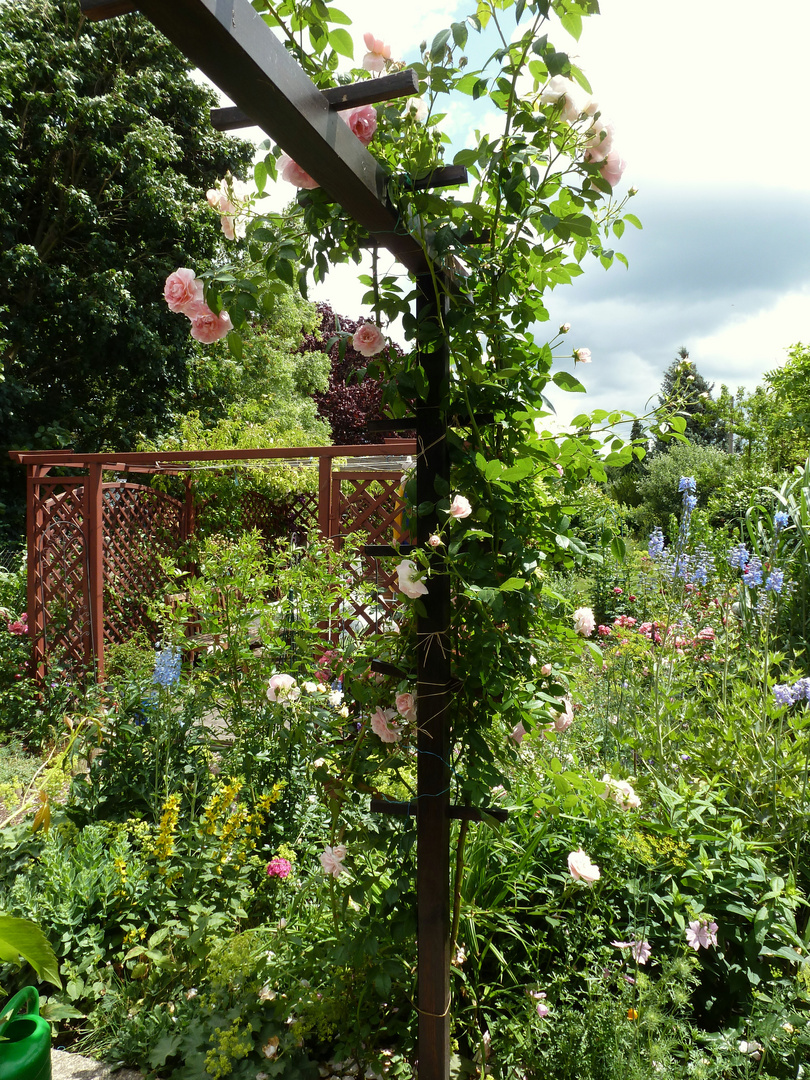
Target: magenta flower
{"points": [[279, 867]]}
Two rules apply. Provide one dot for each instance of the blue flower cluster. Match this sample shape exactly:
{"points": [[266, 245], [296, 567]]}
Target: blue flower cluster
{"points": [[167, 666], [752, 573], [789, 695], [780, 520], [694, 569]]}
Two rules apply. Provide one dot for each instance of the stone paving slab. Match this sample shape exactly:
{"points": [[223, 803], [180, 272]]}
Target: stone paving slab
{"points": [[66, 1066]]}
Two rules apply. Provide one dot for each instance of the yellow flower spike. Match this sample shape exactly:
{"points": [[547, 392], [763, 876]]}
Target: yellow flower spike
{"points": [[42, 820]]}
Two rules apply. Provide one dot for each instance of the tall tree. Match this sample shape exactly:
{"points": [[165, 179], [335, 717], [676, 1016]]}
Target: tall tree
{"points": [[685, 390], [106, 150]]}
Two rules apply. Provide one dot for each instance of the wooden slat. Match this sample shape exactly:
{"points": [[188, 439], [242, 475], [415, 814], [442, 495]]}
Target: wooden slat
{"points": [[367, 92], [97, 10]]}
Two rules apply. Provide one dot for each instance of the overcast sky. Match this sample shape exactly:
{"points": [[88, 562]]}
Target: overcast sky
{"points": [[709, 99]]}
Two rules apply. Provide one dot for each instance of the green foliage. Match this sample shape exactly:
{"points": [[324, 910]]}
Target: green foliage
{"points": [[658, 489], [106, 149], [685, 391]]}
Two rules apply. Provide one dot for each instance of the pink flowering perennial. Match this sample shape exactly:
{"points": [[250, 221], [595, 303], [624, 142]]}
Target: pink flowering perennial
{"points": [[332, 860]]}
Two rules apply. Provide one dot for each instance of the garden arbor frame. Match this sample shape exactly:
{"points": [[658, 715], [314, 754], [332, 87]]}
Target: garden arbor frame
{"points": [[231, 44]]}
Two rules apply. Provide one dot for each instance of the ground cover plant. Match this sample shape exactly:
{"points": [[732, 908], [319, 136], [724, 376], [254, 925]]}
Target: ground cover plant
{"points": [[220, 897]]}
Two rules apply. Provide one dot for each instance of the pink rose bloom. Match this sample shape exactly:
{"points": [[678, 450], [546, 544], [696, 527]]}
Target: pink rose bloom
{"points": [[435, 541], [183, 289], [582, 356], [600, 140], [208, 327], [408, 581], [545, 669], [292, 172], [460, 507], [279, 867], [377, 54], [518, 733], [363, 122], [283, 689], [612, 168], [332, 859], [559, 88], [566, 326], [584, 621], [565, 718], [581, 867], [369, 339], [406, 707], [383, 723], [20, 626]]}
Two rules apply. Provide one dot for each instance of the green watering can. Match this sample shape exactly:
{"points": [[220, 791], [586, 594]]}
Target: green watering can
{"points": [[25, 1039]]}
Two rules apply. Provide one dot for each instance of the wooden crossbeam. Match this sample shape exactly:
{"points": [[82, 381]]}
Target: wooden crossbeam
{"points": [[458, 813], [230, 43], [368, 92]]}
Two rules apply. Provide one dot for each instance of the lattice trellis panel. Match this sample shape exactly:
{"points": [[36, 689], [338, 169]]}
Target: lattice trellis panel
{"points": [[292, 517], [60, 621], [371, 504], [140, 524]]}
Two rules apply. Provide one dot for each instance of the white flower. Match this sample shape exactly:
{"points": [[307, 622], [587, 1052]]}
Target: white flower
{"points": [[460, 507], [283, 689], [416, 109], [409, 583], [332, 859], [584, 622]]}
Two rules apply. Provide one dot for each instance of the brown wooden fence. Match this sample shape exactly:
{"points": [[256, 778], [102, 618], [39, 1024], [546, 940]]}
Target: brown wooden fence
{"points": [[94, 545]]}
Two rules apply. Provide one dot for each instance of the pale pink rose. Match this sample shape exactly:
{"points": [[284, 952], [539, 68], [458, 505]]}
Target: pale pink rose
{"points": [[565, 718], [208, 327], [560, 89], [406, 707], [584, 621], [600, 140], [545, 669], [377, 54], [565, 327], [228, 198], [369, 339], [518, 733], [383, 723], [363, 122], [332, 859], [416, 109], [582, 356], [460, 507], [612, 168], [283, 689], [435, 541], [581, 867], [292, 172], [182, 289], [409, 583]]}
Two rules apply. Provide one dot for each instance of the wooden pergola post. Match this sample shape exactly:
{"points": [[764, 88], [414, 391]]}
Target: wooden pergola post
{"points": [[433, 738]]}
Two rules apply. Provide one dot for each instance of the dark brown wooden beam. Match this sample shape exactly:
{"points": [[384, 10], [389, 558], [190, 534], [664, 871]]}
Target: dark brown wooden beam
{"points": [[97, 10], [445, 176], [459, 813], [230, 43], [367, 92]]}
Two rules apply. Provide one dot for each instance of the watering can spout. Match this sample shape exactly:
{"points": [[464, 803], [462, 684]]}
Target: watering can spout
{"points": [[25, 1039]]}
